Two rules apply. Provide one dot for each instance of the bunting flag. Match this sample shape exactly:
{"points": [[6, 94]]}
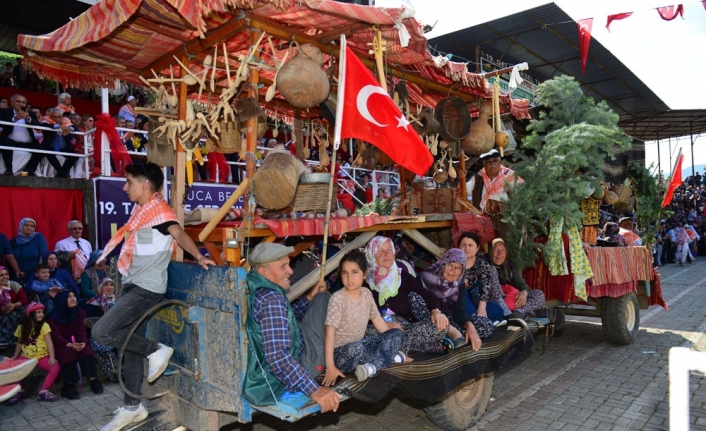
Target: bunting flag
{"points": [[668, 13], [616, 17], [704, 3], [674, 182], [585, 27]]}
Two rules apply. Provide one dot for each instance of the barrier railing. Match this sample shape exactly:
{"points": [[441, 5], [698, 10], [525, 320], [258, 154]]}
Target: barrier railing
{"points": [[681, 362]]}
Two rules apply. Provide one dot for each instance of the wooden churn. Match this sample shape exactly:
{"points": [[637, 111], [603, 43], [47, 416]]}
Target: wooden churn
{"points": [[454, 119], [276, 180]]}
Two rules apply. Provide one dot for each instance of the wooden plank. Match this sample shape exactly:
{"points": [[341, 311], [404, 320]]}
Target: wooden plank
{"points": [[223, 210], [423, 241], [309, 280], [469, 206], [214, 253]]}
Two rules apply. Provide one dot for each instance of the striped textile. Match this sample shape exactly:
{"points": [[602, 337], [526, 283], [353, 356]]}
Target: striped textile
{"points": [[430, 376], [617, 265], [337, 225], [119, 39]]}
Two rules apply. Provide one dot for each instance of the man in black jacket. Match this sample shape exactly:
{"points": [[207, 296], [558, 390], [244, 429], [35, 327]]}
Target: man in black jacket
{"points": [[20, 137]]}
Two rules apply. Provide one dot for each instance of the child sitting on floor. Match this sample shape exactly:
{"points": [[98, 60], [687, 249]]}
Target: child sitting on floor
{"points": [[34, 342], [349, 311]]}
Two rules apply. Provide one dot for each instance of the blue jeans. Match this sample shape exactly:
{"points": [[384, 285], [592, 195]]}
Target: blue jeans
{"points": [[112, 330]]}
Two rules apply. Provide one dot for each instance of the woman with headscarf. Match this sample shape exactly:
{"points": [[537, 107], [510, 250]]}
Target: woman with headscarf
{"points": [[68, 333], [402, 299], [445, 280], [519, 298], [12, 303], [93, 275], [611, 232], [481, 281], [28, 247], [106, 356]]}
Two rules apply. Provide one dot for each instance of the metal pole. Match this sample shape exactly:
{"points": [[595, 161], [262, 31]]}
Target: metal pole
{"points": [[670, 151], [691, 135], [104, 145], [659, 162]]}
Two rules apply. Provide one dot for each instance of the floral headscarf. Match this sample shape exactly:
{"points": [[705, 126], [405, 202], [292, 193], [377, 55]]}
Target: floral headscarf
{"points": [[22, 238], [5, 297], [433, 279], [611, 232], [105, 302], [385, 281]]}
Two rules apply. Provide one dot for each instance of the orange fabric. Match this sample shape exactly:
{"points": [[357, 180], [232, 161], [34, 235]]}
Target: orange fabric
{"points": [[497, 184], [66, 108], [153, 213]]}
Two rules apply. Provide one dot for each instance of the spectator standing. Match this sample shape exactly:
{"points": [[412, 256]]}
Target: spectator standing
{"points": [[65, 103], [127, 111]]}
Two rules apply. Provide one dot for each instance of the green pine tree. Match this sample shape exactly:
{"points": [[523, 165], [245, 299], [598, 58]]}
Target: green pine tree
{"points": [[560, 163]]}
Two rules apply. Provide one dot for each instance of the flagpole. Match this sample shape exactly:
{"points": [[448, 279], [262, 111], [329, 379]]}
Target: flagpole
{"points": [[336, 144]]}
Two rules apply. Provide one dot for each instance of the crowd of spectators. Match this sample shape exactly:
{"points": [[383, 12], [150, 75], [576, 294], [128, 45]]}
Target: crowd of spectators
{"points": [[64, 284]]}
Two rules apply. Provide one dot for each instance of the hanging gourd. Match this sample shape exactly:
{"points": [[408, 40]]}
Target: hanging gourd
{"points": [[302, 81]]}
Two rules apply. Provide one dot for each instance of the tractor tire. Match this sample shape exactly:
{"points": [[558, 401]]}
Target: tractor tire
{"points": [[621, 319], [460, 409]]}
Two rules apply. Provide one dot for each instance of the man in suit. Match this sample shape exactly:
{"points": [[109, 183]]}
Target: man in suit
{"points": [[20, 137]]}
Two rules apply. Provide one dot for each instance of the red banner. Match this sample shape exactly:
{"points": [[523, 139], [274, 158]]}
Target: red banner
{"points": [[668, 13], [585, 27], [616, 17], [674, 183], [52, 209]]}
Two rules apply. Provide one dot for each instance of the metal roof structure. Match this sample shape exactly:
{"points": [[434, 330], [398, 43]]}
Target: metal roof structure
{"points": [[34, 17], [546, 38]]}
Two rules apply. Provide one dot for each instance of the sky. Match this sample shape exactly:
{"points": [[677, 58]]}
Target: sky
{"points": [[667, 56]]}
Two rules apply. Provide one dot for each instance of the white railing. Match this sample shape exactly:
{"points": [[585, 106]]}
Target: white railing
{"points": [[681, 362]]}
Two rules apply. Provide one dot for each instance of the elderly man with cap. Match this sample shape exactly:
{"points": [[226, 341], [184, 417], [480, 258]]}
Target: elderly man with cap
{"points": [[286, 349], [127, 111], [489, 183]]}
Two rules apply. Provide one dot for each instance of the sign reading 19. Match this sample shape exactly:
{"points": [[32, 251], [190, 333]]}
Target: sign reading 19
{"points": [[107, 207]]}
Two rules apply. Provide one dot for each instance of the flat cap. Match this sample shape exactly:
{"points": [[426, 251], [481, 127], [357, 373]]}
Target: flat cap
{"points": [[267, 252], [490, 155]]}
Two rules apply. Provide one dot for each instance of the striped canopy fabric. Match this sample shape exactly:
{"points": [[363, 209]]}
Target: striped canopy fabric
{"points": [[126, 39]]}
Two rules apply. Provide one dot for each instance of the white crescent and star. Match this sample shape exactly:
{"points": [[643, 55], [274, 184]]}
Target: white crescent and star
{"points": [[362, 102], [362, 105]]}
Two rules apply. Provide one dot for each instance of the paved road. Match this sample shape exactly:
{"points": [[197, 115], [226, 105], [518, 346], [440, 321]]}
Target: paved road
{"points": [[579, 382]]}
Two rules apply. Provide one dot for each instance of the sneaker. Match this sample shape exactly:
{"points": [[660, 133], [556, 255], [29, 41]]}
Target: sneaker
{"points": [[9, 391], [14, 370], [447, 344], [123, 417], [96, 386], [19, 396], [159, 360], [365, 371], [399, 358], [459, 342], [45, 395]]}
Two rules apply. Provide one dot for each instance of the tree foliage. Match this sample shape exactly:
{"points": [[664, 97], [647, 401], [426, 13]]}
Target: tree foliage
{"points": [[560, 163]]}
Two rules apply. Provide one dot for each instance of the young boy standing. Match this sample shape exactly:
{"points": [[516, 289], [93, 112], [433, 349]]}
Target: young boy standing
{"points": [[144, 258]]}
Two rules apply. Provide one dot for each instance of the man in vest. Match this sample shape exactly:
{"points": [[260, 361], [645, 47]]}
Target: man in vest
{"points": [[489, 183], [286, 350]]}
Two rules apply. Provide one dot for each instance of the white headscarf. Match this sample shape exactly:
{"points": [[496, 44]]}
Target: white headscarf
{"points": [[385, 281]]}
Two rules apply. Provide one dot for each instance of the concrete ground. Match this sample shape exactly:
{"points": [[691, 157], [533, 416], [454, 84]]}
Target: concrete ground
{"points": [[576, 382]]}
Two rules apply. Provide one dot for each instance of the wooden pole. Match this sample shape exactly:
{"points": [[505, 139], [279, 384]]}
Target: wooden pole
{"points": [[178, 178], [463, 193], [251, 134], [223, 210]]}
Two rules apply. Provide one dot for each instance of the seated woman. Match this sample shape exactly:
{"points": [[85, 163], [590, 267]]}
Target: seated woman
{"points": [[51, 259], [12, 303], [106, 356], [445, 279], [481, 281], [68, 333], [519, 298], [611, 232], [402, 299], [92, 275]]}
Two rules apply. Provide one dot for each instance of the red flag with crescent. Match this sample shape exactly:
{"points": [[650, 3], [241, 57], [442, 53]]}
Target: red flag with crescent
{"points": [[585, 27], [668, 13], [616, 17], [371, 115]]}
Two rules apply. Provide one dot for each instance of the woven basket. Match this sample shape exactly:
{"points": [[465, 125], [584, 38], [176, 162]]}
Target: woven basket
{"points": [[625, 207], [313, 197], [230, 138], [610, 197], [623, 192]]}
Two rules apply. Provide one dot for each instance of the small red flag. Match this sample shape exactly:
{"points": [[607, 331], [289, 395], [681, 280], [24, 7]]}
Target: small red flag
{"points": [[668, 13], [616, 17], [585, 27], [674, 183], [371, 115]]}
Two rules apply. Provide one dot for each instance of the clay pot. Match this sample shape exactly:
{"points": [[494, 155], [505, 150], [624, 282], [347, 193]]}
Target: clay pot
{"points": [[301, 81], [482, 137]]}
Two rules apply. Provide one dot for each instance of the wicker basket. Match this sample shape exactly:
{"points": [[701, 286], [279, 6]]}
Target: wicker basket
{"points": [[230, 138], [625, 207], [313, 197], [623, 192], [610, 197]]}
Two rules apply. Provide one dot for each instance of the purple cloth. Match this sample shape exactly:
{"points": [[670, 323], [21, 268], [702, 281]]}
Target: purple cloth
{"points": [[433, 279]]}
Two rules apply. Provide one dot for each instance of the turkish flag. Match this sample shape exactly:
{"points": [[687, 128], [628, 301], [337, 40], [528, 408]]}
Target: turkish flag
{"points": [[371, 115], [585, 27], [674, 183], [616, 17], [668, 13]]}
